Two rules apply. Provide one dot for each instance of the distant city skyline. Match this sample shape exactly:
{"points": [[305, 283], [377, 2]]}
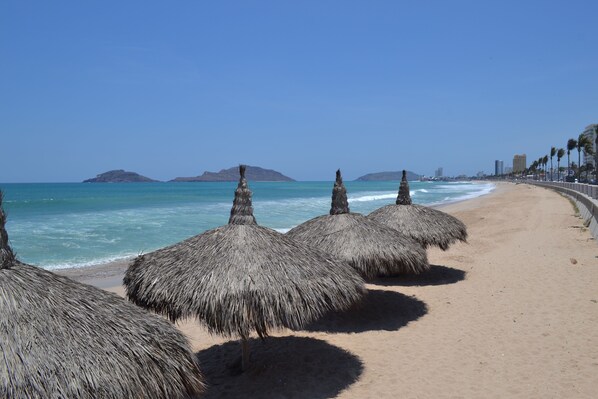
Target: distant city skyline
{"points": [[304, 88]]}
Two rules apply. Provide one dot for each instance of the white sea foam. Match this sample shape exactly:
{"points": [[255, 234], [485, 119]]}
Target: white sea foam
{"points": [[478, 191], [94, 262], [414, 193], [291, 202], [372, 197]]}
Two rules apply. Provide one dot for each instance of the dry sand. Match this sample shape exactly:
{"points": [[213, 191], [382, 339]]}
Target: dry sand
{"points": [[512, 313]]}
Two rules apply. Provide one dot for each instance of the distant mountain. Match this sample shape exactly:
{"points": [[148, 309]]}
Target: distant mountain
{"points": [[388, 176], [119, 176], [253, 173]]}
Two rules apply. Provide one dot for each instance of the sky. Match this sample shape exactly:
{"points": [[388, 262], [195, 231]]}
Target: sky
{"points": [[171, 89]]}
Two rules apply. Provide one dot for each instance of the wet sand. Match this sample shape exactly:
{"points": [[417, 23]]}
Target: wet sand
{"points": [[511, 313]]}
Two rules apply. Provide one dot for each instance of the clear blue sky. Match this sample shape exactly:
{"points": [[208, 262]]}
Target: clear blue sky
{"points": [[172, 89]]}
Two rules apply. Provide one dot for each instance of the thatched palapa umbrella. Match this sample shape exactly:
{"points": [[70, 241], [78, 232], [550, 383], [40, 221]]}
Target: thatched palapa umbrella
{"points": [[241, 278], [371, 248], [63, 339], [428, 226]]}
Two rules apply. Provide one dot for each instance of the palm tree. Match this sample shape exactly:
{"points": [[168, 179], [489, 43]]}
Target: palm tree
{"points": [[545, 162], [581, 169], [589, 147], [533, 167], [571, 144], [559, 155], [540, 166], [562, 170], [552, 154], [589, 168], [588, 150], [582, 144]]}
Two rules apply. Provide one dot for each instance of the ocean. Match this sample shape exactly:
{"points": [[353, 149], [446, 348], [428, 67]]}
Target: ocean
{"points": [[60, 225]]}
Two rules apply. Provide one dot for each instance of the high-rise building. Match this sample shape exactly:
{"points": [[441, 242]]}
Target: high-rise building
{"points": [[438, 172], [591, 132], [498, 168], [519, 163]]}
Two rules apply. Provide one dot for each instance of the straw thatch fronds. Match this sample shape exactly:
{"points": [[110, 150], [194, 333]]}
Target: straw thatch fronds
{"points": [[428, 226], [241, 278], [404, 196], [371, 248], [63, 339], [7, 256], [340, 203], [242, 210]]}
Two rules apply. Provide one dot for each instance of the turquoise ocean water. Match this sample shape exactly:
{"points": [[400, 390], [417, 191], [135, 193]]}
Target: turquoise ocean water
{"points": [[61, 225]]}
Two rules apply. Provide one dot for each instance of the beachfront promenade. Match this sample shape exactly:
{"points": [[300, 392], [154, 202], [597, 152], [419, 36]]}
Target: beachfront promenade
{"points": [[585, 197]]}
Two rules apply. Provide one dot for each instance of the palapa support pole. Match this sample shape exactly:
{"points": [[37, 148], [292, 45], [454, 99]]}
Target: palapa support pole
{"points": [[404, 197], [242, 211], [340, 204], [7, 257], [244, 354]]}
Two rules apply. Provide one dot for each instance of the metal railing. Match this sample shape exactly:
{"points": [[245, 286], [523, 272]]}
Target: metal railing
{"points": [[589, 190]]}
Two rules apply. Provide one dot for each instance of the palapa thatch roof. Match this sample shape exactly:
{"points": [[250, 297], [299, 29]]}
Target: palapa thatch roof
{"points": [[242, 277], [371, 248], [63, 339], [428, 226]]}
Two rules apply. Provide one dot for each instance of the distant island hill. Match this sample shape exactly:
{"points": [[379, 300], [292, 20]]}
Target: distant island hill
{"points": [[119, 176], [253, 173], [388, 176]]}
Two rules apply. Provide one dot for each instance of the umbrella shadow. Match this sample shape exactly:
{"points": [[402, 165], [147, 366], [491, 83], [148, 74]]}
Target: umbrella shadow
{"points": [[437, 275], [379, 310], [281, 367]]}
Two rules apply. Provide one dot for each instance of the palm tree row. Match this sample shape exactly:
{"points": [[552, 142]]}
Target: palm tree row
{"points": [[583, 143]]}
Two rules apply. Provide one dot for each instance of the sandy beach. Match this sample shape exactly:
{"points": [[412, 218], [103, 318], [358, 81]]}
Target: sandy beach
{"points": [[511, 313]]}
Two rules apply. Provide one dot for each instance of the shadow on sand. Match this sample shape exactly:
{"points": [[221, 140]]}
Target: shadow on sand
{"points": [[281, 367], [379, 310], [437, 275]]}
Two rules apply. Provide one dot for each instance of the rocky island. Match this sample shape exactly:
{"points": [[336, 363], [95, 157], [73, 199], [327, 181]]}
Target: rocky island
{"points": [[254, 173], [388, 176], [119, 176]]}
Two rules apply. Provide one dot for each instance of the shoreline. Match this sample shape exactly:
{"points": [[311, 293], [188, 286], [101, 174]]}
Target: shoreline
{"points": [[105, 275], [110, 274], [511, 313]]}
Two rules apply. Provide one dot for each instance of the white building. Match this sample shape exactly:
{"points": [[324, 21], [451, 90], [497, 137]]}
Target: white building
{"points": [[591, 131]]}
